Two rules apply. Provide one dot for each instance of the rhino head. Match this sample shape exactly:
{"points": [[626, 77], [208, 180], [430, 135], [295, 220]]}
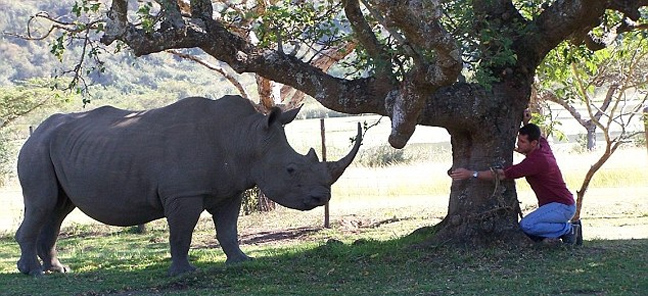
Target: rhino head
{"points": [[296, 181]]}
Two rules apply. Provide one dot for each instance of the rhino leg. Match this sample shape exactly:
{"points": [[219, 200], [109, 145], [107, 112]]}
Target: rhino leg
{"points": [[225, 216], [49, 233], [26, 237], [40, 203], [182, 215]]}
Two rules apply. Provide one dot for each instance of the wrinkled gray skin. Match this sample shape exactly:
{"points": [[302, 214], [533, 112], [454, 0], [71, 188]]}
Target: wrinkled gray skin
{"points": [[126, 168]]}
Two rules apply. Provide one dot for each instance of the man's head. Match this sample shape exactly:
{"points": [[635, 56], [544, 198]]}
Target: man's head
{"points": [[527, 139]]}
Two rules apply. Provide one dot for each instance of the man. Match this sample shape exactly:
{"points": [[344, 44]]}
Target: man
{"points": [[550, 222]]}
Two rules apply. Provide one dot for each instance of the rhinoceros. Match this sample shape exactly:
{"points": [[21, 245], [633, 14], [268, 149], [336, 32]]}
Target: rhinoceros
{"points": [[130, 167]]}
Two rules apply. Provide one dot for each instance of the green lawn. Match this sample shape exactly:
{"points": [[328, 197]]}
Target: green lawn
{"points": [[369, 252], [119, 262]]}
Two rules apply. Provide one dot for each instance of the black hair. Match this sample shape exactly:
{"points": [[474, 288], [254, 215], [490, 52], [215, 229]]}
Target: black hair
{"points": [[530, 130]]}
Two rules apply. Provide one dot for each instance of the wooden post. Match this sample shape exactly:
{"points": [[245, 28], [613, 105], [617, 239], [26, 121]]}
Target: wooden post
{"points": [[645, 119], [327, 223]]}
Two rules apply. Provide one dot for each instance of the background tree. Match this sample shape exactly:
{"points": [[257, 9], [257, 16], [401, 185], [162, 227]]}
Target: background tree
{"points": [[17, 102], [604, 81], [407, 65], [27, 97], [610, 84]]}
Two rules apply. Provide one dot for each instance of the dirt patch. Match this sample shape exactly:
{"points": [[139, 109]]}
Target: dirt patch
{"points": [[290, 235], [274, 237]]}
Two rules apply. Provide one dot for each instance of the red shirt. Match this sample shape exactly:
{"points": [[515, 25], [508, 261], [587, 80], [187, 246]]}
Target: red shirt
{"points": [[542, 172]]}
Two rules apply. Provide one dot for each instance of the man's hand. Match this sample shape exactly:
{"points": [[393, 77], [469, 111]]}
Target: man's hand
{"points": [[526, 117], [460, 174], [464, 174]]}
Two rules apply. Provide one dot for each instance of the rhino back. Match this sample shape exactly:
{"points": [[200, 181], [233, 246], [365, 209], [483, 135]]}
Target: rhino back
{"points": [[110, 160]]}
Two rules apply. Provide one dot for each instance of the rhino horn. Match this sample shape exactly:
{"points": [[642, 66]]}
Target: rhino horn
{"points": [[336, 168]]}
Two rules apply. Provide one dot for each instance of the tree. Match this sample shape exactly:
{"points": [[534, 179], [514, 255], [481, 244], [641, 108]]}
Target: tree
{"points": [[18, 101], [409, 64], [27, 97], [604, 82]]}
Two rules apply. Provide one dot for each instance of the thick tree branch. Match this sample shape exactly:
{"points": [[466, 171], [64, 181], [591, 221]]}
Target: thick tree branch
{"points": [[419, 21], [364, 34], [573, 19], [117, 21], [628, 25], [324, 61], [202, 9], [173, 16], [628, 7]]}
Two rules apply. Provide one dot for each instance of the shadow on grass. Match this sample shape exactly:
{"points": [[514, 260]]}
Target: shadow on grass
{"points": [[400, 266], [267, 237]]}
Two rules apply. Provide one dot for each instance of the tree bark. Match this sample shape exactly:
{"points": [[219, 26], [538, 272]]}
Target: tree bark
{"points": [[591, 136]]}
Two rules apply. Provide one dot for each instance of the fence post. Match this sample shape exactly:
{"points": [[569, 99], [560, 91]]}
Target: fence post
{"points": [[327, 223], [645, 120]]}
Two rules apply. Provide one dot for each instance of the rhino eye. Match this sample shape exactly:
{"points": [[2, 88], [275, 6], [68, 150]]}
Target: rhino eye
{"points": [[290, 169]]}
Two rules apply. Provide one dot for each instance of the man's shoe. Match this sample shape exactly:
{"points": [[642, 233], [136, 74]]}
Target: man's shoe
{"points": [[571, 237], [579, 232]]}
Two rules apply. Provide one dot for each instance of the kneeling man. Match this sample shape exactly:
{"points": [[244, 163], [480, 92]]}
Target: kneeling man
{"points": [[550, 222]]}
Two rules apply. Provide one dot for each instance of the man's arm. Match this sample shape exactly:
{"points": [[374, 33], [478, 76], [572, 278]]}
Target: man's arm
{"points": [[463, 174]]}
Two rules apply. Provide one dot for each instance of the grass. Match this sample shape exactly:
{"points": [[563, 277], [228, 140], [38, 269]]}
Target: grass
{"points": [[330, 262]]}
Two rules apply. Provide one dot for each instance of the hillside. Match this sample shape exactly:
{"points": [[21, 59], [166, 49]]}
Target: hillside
{"points": [[163, 73]]}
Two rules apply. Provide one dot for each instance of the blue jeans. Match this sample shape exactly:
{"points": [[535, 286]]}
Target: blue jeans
{"points": [[550, 220]]}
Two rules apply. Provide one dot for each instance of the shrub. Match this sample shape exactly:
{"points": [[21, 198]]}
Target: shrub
{"points": [[383, 156], [255, 201], [5, 159], [639, 140]]}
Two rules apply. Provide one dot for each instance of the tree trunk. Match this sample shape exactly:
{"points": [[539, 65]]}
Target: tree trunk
{"points": [[485, 212], [480, 212], [646, 127], [591, 136]]}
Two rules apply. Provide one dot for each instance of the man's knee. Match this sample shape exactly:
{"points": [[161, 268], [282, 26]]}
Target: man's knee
{"points": [[526, 225]]}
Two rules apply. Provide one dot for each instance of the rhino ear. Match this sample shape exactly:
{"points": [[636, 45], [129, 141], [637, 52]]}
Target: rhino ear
{"points": [[312, 155], [276, 115], [273, 116], [289, 116]]}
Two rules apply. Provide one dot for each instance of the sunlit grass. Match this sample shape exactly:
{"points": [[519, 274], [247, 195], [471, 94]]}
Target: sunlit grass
{"points": [[397, 180], [627, 168]]}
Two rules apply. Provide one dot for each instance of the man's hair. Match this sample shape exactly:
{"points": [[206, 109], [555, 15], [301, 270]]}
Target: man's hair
{"points": [[530, 130]]}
